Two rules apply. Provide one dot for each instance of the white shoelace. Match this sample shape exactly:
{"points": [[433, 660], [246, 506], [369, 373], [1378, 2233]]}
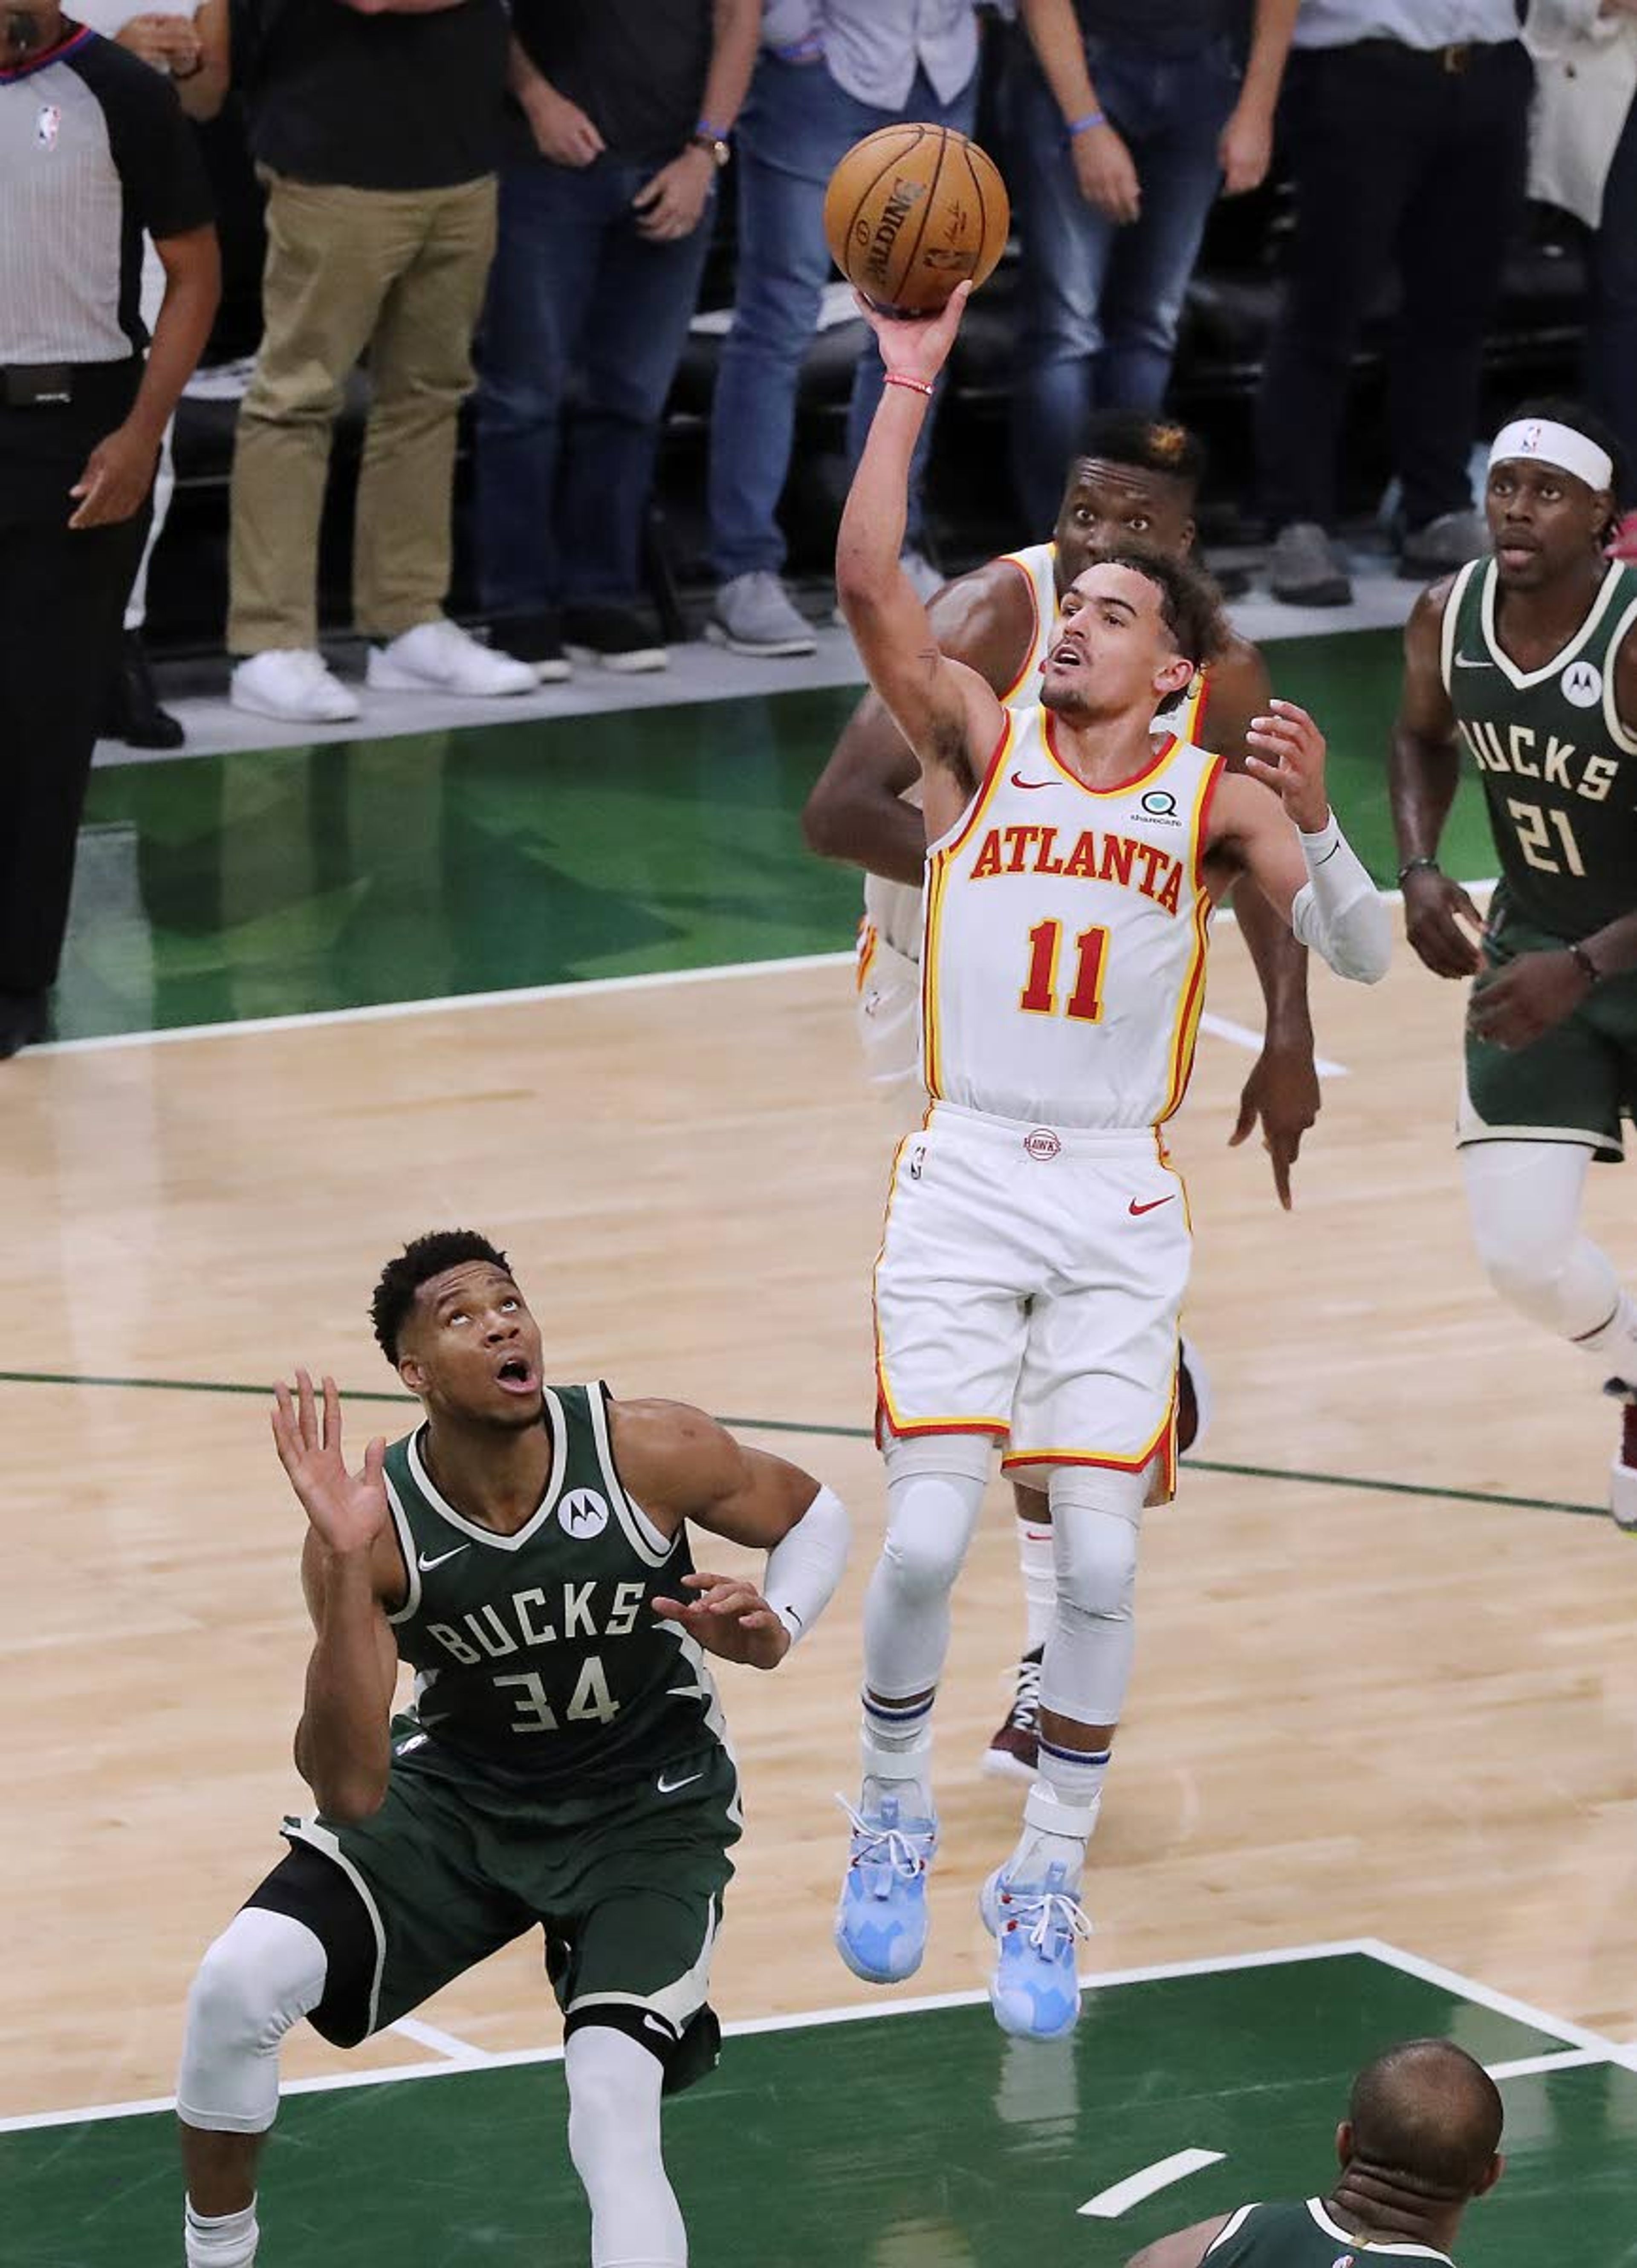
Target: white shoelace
{"points": [[1026, 1701], [890, 1843], [1050, 1911]]}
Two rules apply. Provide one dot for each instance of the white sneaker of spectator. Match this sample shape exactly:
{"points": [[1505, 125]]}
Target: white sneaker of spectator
{"points": [[439, 657], [293, 684]]}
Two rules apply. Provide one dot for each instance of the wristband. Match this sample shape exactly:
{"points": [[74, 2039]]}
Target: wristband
{"points": [[912, 384], [1418, 866], [1586, 965], [1084, 125], [703, 131]]}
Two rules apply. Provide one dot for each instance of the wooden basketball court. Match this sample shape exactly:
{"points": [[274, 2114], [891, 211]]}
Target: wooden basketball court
{"points": [[1386, 1688]]}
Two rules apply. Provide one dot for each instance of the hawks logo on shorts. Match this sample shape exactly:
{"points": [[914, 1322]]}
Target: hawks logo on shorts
{"points": [[1063, 968]]}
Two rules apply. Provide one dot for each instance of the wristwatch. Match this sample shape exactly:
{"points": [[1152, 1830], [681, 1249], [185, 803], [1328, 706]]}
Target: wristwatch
{"points": [[713, 143]]}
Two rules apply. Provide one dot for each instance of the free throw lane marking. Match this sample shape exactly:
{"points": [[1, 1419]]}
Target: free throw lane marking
{"points": [[1119, 2198]]}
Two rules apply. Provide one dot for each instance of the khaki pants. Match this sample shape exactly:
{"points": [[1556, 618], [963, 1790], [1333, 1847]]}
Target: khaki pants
{"points": [[399, 274]]}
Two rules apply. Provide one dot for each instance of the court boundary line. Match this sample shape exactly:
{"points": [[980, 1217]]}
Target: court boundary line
{"points": [[1428, 1492], [376, 1012], [1582, 2047]]}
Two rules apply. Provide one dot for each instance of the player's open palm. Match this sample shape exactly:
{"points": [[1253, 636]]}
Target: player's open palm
{"points": [[1291, 761], [347, 1510], [730, 1618], [916, 346]]}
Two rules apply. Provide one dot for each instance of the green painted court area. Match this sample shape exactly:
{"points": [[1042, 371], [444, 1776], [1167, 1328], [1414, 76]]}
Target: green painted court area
{"points": [[918, 2138], [287, 882]]}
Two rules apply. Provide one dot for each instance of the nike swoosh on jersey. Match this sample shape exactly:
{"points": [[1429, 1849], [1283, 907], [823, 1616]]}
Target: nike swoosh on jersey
{"points": [[1018, 780], [1137, 1210], [669, 1787], [426, 1564], [1461, 662]]}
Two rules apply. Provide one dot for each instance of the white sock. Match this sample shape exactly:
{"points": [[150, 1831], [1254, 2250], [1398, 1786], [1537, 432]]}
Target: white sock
{"points": [[896, 1744], [226, 2240], [1037, 1561], [1059, 1815]]}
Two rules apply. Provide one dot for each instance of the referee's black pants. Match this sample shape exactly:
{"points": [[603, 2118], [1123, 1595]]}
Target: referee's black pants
{"points": [[62, 604], [1403, 166]]}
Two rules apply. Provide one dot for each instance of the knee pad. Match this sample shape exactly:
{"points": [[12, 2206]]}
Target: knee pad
{"points": [[931, 1518], [263, 1974], [614, 2086], [1087, 1663], [1096, 1555]]}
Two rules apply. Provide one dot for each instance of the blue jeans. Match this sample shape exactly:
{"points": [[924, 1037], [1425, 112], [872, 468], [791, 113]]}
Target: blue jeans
{"points": [[795, 125], [584, 329], [1612, 337], [1101, 302]]}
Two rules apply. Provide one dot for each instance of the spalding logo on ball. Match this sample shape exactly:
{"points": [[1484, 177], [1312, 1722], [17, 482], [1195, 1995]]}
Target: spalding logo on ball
{"points": [[913, 210]]}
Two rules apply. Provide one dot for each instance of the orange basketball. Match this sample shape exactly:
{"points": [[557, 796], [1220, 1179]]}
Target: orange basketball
{"points": [[913, 210]]}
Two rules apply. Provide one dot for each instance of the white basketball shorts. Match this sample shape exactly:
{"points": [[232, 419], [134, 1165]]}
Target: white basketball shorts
{"points": [[889, 1009], [1030, 1285]]}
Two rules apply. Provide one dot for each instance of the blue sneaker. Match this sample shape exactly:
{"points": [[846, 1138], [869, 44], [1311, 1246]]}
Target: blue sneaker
{"points": [[880, 1924], [1034, 1990]]}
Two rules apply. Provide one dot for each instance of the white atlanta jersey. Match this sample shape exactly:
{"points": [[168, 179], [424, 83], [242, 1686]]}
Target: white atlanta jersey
{"points": [[892, 910], [1063, 968]]}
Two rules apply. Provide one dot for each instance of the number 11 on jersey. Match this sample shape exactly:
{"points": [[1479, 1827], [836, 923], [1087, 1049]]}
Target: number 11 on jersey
{"points": [[1039, 996]]}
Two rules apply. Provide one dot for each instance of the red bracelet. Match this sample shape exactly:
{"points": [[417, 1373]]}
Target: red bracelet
{"points": [[915, 385]]}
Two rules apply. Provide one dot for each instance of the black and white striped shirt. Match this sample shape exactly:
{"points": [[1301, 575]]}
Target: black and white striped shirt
{"points": [[93, 150]]}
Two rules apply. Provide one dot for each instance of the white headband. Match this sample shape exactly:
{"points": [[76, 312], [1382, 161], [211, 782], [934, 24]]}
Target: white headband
{"points": [[1551, 444]]}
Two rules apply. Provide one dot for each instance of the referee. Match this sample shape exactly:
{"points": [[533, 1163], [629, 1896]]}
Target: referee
{"points": [[93, 150]]}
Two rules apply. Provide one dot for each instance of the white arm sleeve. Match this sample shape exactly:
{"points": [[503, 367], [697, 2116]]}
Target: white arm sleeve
{"points": [[804, 1569], [1338, 911]]}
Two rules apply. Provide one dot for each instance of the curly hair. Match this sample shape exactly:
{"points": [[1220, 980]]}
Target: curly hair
{"points": [[418, 1263]]}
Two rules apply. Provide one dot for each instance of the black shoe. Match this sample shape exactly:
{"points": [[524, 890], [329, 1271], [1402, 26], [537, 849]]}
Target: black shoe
{"points": [[22, 1021], [620, 638], [133, 713], [534, 639]]}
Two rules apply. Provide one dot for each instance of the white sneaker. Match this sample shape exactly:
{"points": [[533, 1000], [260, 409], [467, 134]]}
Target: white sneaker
{"points": [[293, 684], [442, 658]]}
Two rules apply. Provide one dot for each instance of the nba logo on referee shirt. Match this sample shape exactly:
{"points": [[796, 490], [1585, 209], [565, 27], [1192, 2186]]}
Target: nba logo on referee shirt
{"points": [[47, 123]]}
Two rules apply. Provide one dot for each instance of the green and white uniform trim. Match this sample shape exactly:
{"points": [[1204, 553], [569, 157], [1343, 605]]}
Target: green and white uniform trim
{"points": [[565, 1764], [1301, 2235]]}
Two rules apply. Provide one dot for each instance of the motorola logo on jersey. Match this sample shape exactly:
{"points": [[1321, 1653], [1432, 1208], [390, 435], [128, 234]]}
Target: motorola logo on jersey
{"points": [[1581, 684], [1159, 803], [582, 1515]]}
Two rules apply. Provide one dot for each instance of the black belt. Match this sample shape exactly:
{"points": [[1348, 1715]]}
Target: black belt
{"points": [[53, 385]]}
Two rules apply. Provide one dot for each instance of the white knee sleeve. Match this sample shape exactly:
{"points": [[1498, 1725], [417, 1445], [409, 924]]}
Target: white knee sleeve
{"points": [[262, 1973], [613, 2140], [934, 1495], [1525, 1199], [1094, 1518]]}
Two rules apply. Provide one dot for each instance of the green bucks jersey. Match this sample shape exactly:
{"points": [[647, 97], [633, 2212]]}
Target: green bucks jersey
{"points": [[1301, 2236], [539, 1659], [1559, 763]]}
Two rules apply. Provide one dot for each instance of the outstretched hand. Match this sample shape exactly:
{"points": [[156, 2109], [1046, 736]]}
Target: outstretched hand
{"points": [[1283, 1092], [1292, 762], [348, 1511], [730, 1618], [916, 345]]}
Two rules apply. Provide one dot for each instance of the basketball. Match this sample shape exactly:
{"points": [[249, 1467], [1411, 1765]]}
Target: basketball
{"points": [[913, 210]]}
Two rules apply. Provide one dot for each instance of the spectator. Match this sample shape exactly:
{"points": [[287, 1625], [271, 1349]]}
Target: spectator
{"points": [[830, 71], [1407, 125], [1129, 116], [608, 195], [1584, 156], [92, 149], [190, 46], [1421, 2140], [375, 124]]}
